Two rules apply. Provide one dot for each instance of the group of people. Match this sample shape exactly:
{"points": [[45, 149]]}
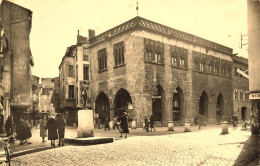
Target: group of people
{"points": [[23, 131], [200, 121], [121, 123], [147, 123], [55, 127]]}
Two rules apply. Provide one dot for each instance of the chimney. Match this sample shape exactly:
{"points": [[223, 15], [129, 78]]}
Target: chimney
{"points": [[91, 33]]}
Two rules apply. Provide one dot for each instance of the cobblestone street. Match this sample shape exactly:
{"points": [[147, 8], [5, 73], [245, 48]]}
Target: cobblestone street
{"points": [[206, 147]]}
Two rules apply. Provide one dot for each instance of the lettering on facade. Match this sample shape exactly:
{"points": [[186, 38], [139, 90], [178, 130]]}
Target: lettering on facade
{"points": [[254, 96]]}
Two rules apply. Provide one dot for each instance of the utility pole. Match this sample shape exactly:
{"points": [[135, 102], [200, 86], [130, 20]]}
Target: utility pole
{"points": [[241, 38]]}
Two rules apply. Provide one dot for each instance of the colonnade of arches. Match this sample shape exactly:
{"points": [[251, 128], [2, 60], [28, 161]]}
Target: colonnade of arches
{"points": [[123, 100]]}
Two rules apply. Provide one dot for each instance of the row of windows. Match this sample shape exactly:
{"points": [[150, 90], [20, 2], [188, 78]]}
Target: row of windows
{"points": [[179, 57], [85, 72], [212, 66], [119, 56], [241, 95], [154, 53]]}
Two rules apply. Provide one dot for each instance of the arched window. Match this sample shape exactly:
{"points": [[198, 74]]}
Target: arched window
{"points": [[216, 68], [182, 62], [202, 65], [211, 67], [197, 64], [174, 61]]}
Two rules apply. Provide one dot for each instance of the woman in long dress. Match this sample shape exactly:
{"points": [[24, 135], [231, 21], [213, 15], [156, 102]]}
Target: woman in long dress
{"points": [[43, 130], [124, 125], [52, 130]]}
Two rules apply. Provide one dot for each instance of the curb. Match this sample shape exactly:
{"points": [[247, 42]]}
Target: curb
{"points": [[29, 151]]}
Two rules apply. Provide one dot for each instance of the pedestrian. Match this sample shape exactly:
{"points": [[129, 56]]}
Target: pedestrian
{"points": [[115, 125], [20, 131], [124, 124], [196, 120], [28, 133], [152, 123], [9, 128], [98, 122], [60, 121], [52, 130], [107, 123], [200, 121], [43, 130], [234, 120], [146, 124]]}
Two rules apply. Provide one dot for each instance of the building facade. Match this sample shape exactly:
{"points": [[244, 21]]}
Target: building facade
{"points": [[67, 82], [242, 105], [152, 69], [55, 97], [253, 17], [16, 59], [46, 93]]}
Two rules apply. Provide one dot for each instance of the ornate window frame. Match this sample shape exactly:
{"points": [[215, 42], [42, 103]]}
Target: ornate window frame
{"points": [[119, 54], [102, 59]]}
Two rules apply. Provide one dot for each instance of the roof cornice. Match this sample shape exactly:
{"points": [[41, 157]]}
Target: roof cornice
{"points": [[139, 22]]}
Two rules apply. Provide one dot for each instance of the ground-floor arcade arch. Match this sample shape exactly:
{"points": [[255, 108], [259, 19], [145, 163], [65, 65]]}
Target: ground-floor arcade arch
{"points": [[121, 101], [158, 101], [178, 103], [203, 105], [102, 106]]}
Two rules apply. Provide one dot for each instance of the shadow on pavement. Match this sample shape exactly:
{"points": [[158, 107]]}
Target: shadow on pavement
{"points": [[250, 152]]}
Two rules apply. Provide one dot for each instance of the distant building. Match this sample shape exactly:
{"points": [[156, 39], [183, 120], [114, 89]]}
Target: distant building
{"points": [[242, 105], [15, 60], [67, 80], [73, 71], [35, 92], [55, 96], [46, 92]]}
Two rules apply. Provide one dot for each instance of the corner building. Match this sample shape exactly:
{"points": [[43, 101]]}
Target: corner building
{"points": [[157, 70]]}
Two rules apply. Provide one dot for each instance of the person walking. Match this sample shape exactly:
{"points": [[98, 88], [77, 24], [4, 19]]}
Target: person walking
{"points": [[234, 120], [52, 130], [146, 124], [60, 122], [107, 123], [28, 132], [124, 124], [152, 123], [115, 125], [20, 131], [43, 130]]}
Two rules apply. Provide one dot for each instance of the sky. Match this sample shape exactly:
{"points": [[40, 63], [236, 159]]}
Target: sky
{"points": [[55, 23]]}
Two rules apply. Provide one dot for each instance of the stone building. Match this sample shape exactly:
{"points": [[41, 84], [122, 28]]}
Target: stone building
{"points": [[67, 82], [152, 69], [73, 72], [16, 59], [242, 105]]}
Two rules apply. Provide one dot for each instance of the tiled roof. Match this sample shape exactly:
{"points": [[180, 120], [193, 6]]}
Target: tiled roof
{"points": [[158, 28]]}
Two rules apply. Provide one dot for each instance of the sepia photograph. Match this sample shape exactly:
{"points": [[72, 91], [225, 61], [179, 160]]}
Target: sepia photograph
{"points": [[129, 82]]}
